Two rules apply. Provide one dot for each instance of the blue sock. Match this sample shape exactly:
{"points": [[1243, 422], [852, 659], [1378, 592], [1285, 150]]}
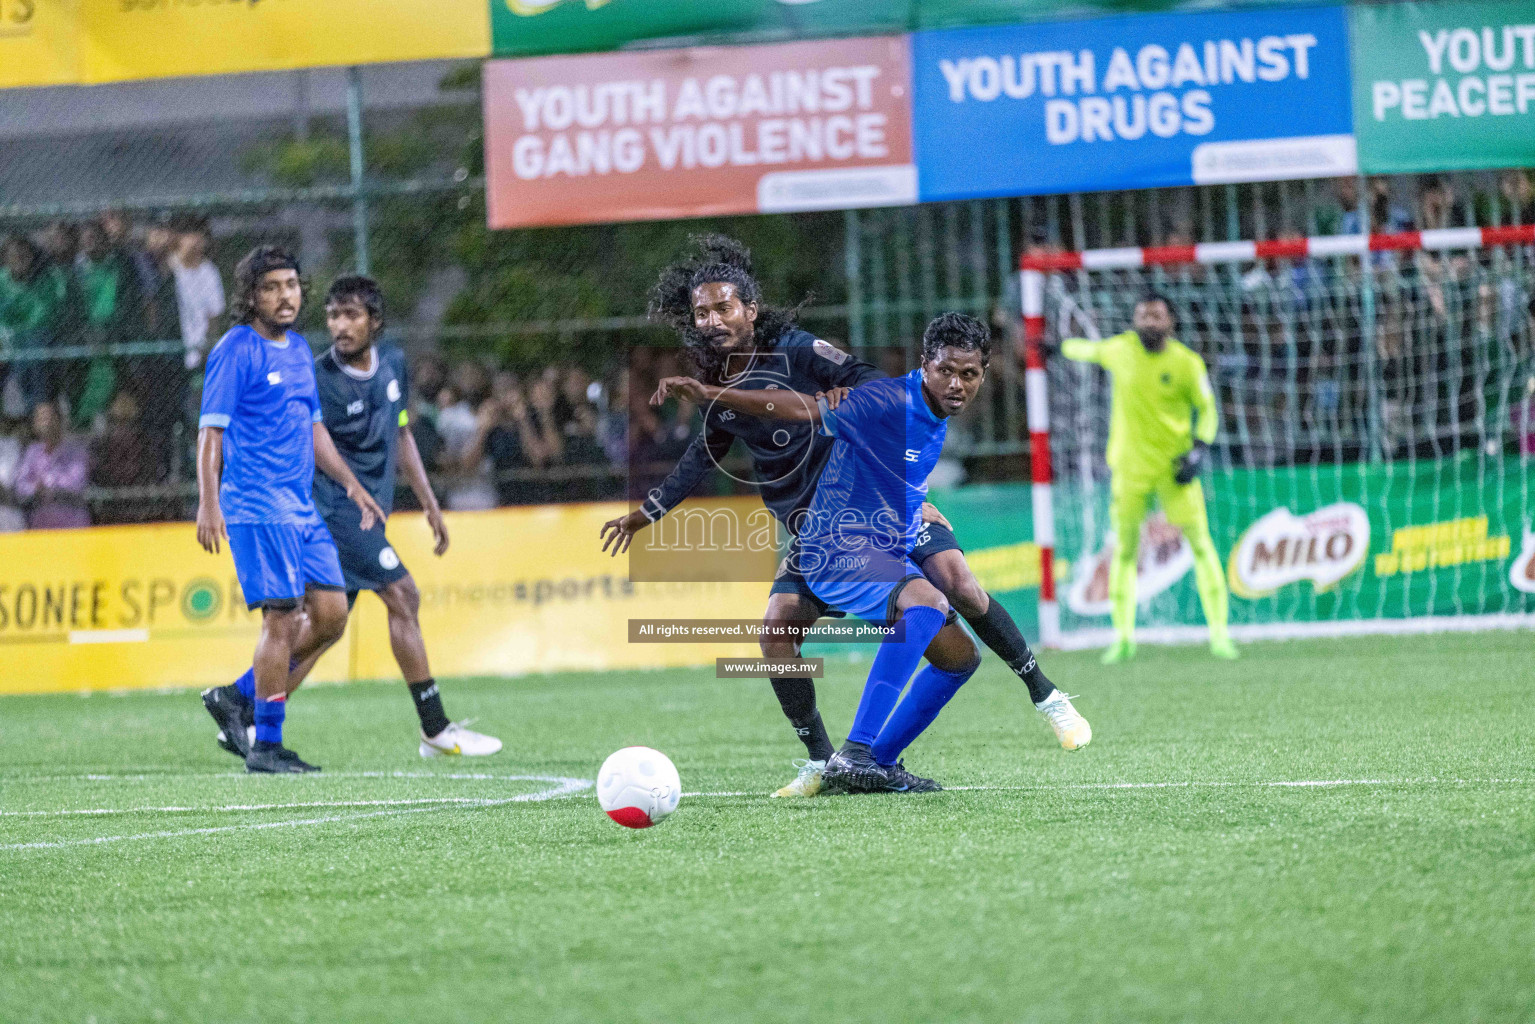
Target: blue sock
{"points": [[893, 665], [269, 716], [246, 684], [930, 691]]}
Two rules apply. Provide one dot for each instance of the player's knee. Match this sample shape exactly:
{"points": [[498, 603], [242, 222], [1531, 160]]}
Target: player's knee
{"points": [[778, 648], [921, 594], [782, 624], [402, 598], [967, 596], [327, 616], [773, 641], [282, 623]]}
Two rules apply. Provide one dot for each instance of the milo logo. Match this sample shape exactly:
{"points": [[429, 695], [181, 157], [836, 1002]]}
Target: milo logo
{"points": [[1283, 548]]}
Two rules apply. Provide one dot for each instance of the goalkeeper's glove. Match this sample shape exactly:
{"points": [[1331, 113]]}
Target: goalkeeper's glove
{"points": [[1190, 463]]}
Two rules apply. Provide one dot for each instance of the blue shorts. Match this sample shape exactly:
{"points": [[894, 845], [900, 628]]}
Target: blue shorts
{"points": [[368, 562], [277, 564], [931, 539], [863, 583]]}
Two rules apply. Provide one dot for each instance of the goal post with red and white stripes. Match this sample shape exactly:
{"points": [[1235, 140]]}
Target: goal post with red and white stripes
{"points": [[1372, 468]]}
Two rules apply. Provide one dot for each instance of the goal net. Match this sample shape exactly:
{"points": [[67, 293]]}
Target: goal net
{"points": [[1377, 424]]}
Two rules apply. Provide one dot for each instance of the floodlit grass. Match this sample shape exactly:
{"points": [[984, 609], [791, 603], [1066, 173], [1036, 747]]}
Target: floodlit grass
{"points": [[1175, 870]]}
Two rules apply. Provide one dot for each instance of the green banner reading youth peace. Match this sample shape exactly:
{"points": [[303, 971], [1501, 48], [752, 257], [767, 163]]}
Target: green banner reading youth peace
{"points": [[1444, 86]]}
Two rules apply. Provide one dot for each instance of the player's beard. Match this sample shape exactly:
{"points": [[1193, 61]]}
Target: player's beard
{"points": [[711, 362], [1151, 339], [276, 326]]}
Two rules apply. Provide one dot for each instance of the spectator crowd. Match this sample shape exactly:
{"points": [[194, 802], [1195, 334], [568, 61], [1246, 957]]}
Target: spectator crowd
{"points": [[105, 326], [101, 326], [493, 437]]}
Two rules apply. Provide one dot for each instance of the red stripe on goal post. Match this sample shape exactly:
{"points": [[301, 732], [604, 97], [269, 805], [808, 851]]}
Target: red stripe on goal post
{"points": [[1031, 282], [1511, 235], [1283, 248]]}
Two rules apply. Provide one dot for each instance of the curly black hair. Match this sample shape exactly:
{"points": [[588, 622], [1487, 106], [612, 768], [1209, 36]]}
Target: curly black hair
{"points": [[714, 259], [257, 263], [958, 331], [363, 289]]}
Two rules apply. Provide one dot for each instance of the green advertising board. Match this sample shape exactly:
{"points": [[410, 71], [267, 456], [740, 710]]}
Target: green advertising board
{"points": [[1302, 545], [533, 27], [1443, 86], [1333, 543], [527, 27]]}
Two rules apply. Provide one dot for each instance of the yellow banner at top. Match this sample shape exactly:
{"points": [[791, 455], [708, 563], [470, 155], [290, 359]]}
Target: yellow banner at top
{"points": [[39, 42], [134, 39]]}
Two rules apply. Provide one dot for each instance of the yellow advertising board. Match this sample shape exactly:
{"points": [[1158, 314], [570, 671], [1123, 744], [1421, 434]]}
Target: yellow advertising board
{"points": [[39, 42], [520, 590], [132, 39]]}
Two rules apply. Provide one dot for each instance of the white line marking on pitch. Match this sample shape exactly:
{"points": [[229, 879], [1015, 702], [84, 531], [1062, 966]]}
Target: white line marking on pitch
{"points": [[237, 808], [1283, 784], [563, 787], [172, 775]]}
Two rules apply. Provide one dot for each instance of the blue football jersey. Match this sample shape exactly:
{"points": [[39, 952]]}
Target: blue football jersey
{"points": [[887, 442], [262, 394]]}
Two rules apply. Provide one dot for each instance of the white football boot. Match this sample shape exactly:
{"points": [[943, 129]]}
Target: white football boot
{"points": [[456, 739], [807, 782], [1070, 727]]}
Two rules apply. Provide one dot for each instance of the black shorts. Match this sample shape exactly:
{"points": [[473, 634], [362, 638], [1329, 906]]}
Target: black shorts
{"points": [[367, 560], [932, 539]]}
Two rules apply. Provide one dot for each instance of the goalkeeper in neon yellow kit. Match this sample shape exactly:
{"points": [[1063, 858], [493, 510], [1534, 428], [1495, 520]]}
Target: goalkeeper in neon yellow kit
{"points": [[1161, 425]]}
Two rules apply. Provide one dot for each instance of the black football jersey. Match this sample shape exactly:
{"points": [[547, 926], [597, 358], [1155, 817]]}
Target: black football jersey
{"points": [[364, 413], [787, 457]]}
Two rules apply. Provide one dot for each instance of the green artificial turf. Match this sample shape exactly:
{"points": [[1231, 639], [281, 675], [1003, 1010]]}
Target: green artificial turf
{"points": [[1176, 870]]}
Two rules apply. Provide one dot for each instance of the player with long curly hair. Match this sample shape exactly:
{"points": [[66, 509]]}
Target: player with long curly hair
{"points": [[713, 300]]}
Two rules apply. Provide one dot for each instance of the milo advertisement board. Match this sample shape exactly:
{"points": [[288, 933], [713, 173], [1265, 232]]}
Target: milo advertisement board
{"points": [[1323, 544]]}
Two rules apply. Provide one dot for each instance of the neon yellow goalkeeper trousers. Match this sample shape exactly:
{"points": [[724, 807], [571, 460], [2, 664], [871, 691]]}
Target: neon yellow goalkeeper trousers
{"points": [[1185, 508]]}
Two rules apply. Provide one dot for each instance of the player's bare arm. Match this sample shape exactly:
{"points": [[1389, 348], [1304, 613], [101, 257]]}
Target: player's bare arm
{"points": [[421, 486], [210, 467], [334, 466], [775, 404]]}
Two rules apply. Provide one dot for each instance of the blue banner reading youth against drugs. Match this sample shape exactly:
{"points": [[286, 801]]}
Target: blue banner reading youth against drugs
{"points": [[1132, 103]]}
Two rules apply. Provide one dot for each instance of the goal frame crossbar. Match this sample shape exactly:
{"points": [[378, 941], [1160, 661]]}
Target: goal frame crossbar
{"points": [[1033, 270]]}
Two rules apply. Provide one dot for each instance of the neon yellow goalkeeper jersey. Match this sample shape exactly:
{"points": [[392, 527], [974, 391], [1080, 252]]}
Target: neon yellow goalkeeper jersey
{"points": [[1160, 402]]}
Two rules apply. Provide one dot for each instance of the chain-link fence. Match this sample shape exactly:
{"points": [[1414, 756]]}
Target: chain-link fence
{"points": [[123, 210]]}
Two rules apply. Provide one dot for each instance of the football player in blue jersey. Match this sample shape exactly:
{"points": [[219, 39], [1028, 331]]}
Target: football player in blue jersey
{"points": [[714, 302], [259, 441], [364, 392], [857, 536]]}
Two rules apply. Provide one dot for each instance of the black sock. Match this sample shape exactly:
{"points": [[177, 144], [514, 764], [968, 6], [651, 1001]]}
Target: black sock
{"points": [[428, 703], [797, 698], [998, 631]]}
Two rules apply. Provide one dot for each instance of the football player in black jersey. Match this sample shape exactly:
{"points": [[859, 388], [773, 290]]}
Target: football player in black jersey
{"points": [[364, 400], [714, 302]]}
